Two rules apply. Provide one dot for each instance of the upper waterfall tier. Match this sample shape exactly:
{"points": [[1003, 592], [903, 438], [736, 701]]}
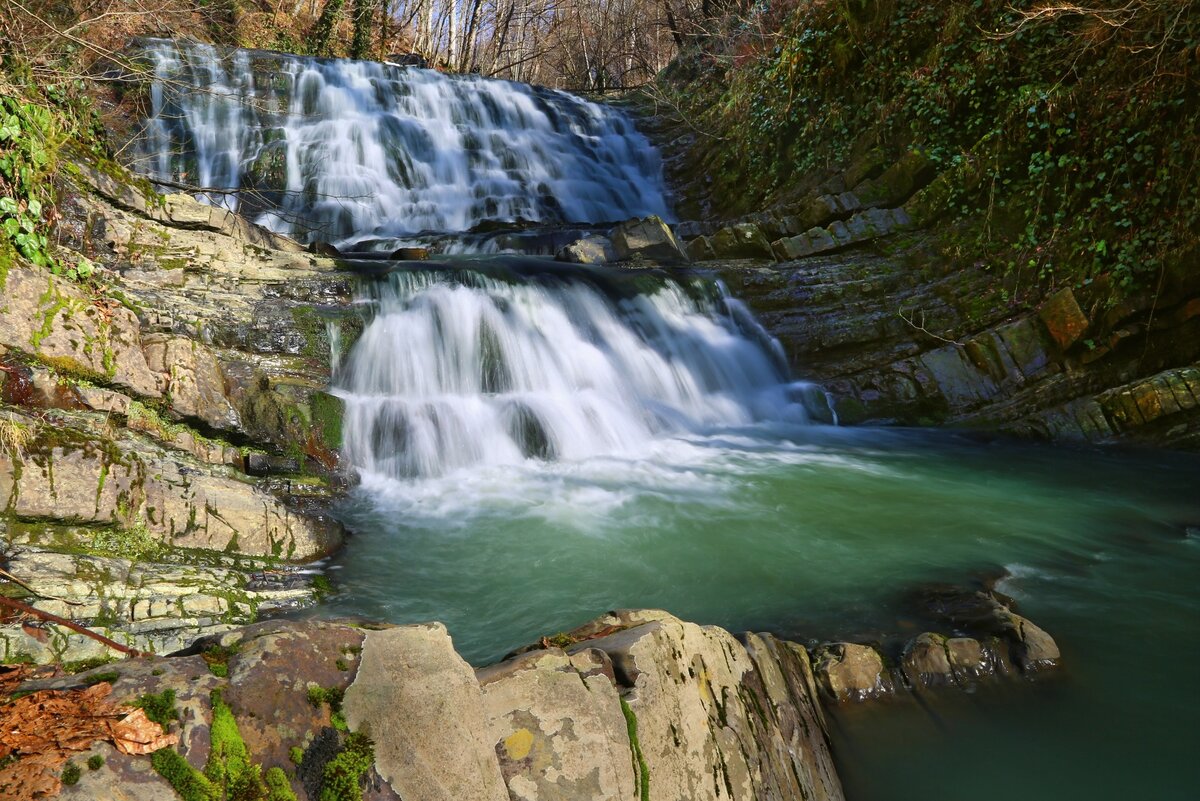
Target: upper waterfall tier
{"points": [[345, 150]]}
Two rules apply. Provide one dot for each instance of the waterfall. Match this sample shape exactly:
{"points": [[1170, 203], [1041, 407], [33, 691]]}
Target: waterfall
{"points": [[344, 151], [459, 369]]}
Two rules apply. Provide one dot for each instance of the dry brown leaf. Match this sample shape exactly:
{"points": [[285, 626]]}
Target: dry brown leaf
{"points": [[137, 734], [32, 777], [44, 728]]}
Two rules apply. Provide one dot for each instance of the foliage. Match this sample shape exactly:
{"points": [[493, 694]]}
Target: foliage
{"points": [[1067, 137], [35, 127], [95, 762]]}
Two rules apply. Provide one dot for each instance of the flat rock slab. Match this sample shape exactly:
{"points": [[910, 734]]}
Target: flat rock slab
{"points": [[420, 703]]}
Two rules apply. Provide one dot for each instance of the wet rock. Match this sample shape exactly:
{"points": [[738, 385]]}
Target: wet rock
{"points": [[851, 672], [742, 241], [968, 660], [926, 662], [589, 250], [410, 254], [648, 238]]}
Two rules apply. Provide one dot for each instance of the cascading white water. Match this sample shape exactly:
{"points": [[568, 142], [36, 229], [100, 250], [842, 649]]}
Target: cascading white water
{"points": [[348, 150], [464, 370]]}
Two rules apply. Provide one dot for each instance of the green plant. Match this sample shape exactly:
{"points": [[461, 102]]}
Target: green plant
{"points": [[95, 762], [217, 659], [71, 773]]}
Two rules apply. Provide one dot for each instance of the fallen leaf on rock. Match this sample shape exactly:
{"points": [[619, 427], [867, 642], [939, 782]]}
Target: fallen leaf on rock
{"points": [[32, 777], [137, 734], [13, 676], [42, 729]]}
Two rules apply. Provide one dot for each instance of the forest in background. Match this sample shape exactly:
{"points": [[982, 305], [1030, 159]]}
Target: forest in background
{"points": [[579, 45]]}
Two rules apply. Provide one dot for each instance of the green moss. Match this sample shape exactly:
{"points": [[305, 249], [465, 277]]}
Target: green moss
{"points": [[108, 675], [229, 767], [189, 783], [635, 747], [327, 413], [159, 707], [217, 659], [296, 754], [278, 788], [229, 774], [71, 773], [342, 665], [342, 778], [95, 762]]}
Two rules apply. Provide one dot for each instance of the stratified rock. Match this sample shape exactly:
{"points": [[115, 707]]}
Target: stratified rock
{"points": [[49, 317], [851, 672], [648, 238], [67, 474], [420, 703], [192, 379], [710, 722], [589, 250], [742, 241]]}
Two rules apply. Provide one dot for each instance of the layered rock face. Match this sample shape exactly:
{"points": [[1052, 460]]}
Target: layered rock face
{"points": [[851, 283], [168, 444]]}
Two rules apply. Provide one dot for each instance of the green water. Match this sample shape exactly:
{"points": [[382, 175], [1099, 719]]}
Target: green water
{"points": [[817, 533]]}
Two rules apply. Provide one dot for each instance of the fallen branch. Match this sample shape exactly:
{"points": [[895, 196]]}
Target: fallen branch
{"points": [[73, 626], [922, 327], [5, 574]]}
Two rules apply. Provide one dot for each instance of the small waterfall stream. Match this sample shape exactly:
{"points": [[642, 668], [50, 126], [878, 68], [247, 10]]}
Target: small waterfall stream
{"points": [[343, 150], [462, 369]]}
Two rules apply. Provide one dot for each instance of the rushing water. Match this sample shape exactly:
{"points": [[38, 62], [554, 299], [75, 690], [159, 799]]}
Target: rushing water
{"points": [[350, 150], [659, 458]]}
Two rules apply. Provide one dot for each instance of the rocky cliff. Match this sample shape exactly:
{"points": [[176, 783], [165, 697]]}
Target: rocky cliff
{"points": [[167, 445]]}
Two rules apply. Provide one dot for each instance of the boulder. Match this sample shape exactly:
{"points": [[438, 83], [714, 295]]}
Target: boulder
{"points": [[700, 249], [648, 238], [851, 672], [741, 241], [926, 662], [704, 708], [589, 250], [557, 727], [421, 704]]}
